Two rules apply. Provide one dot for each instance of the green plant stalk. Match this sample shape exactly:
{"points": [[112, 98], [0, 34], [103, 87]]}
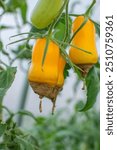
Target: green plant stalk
{"points": [[50, 31], [86, 15], [76, 15], [8, 111], [24, 39], [65, 55], [23, 99], [71, 45], [90, 7], [3, 5], [1, 62], [26, 33], [66, 22]]}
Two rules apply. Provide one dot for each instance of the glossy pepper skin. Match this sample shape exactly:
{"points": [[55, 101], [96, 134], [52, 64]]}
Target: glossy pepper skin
{"points": [[47, 80], [45, 11], [84, 39]]}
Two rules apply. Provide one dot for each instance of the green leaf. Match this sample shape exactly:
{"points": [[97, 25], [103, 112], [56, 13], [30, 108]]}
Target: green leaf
{"points": [[92, 84], [1, 45], [23, 9], [6, 79], [13, 5], [59, 31], [36, 30], [2, 4], [1, 68], [22, 52], [66, 70], [3, 147], [2, 128], [79, 106], [97, 26], [25, 144]]}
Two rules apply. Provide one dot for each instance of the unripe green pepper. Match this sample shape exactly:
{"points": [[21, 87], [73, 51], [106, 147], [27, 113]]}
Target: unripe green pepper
{"points": [[45, 12]]}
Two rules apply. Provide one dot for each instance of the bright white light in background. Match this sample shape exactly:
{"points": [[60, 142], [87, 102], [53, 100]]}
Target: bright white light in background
{"points": [[14, 94]]}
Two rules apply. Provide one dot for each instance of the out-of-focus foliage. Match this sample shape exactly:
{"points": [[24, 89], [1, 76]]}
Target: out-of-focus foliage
{"points": [[76, 131], [13, 6], [12, 138], [5, 84]]}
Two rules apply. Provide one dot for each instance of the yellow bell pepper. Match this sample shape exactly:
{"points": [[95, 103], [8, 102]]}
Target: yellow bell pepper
{"points": [[47, 80], [84, 39]]}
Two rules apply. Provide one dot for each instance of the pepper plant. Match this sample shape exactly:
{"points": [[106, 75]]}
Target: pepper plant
{"points": [[59, 30]]}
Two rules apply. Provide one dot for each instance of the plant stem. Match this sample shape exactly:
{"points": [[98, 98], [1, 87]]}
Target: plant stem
{"points": [[3, 5], [90, 7], [50, 31], [3, 63], [23, 100], [71, 45], [26, 33], [66, 57], [76, 15], [67, 23], [86, 15], [57, 18], [84, 22]]}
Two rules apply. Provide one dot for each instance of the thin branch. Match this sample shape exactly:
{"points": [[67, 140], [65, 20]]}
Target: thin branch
{"points": [[24, 39], [90, 7], [71, 45], [67, 23]]}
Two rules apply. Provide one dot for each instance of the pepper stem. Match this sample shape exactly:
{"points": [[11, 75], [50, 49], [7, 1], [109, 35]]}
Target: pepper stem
{"points": [[90, 7]]}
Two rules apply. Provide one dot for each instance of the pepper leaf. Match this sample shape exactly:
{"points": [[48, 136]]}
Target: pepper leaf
{"points": [[12, 6], [23, 9], [66, 70], [97, 27], [2, 128], [92, 84], [6, 79], [22, 52]]}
